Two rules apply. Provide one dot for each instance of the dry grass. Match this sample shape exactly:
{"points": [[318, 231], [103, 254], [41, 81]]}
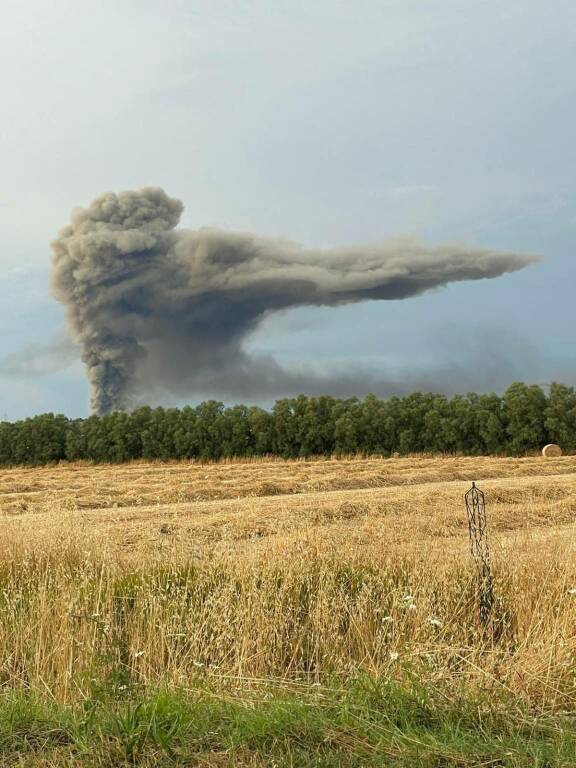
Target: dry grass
{"points": [[148, 573]]}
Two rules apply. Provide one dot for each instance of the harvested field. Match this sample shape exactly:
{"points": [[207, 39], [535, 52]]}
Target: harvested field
{"points": [[363, 507]]}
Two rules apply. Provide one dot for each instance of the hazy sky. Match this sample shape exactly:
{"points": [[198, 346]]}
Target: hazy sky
{"points": [[325, 122]]}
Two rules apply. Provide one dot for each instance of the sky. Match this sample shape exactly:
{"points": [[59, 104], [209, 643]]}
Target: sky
{"points": [[327, 122]]}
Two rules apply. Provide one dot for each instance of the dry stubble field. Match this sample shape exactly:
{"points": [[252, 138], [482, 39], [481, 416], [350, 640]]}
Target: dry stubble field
{"points": [[356, 508], [221, 580]]}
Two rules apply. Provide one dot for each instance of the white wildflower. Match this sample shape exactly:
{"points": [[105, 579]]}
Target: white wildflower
{"points": [[394, 655], [435, 622]]}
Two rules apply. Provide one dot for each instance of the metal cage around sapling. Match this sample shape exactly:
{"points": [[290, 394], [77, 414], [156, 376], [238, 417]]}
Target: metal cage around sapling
{"points": [[477, 528]]}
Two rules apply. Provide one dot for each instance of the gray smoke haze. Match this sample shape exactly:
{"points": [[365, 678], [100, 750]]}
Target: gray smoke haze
{"points": [[156, 307], [41, 359]]}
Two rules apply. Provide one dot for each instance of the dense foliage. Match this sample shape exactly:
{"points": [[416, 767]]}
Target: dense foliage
{"points": [[521, 420]]}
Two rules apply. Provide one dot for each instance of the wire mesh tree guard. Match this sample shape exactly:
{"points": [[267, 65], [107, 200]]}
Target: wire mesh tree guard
{"points": [[477, 528]]}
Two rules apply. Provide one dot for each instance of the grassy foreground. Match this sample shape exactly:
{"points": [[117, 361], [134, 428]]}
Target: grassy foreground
{"points": [[363, 722]]}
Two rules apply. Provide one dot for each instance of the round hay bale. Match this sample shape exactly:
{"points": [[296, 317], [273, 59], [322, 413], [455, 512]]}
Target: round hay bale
{"points": [[551, 451]]}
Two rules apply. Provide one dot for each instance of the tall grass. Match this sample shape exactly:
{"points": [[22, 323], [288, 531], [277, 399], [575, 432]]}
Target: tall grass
{"points": [[68, 623]]}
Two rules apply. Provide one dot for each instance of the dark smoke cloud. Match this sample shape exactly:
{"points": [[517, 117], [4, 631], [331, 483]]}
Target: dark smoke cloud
{"points": [[152, 306]]}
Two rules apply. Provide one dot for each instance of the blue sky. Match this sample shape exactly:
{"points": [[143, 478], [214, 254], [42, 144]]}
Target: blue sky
{"points": [[325, 122]]}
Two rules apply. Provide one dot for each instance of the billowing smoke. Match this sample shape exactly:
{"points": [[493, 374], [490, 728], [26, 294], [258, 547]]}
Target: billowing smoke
{"points": [[152, 306]]}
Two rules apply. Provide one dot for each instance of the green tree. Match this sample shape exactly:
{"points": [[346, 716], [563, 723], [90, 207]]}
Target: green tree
{"points": [[524, 408], [186, 445], [7, 441], [261, 424], [208, 429], [316, 426], [285, 429], [490, 420], [560, 416]]}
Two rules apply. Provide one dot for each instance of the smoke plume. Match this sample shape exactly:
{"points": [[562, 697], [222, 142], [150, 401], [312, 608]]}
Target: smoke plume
{"points": [[153, 306]]}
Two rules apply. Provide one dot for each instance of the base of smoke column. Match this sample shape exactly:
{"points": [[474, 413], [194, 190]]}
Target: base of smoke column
{"points": [[551, 451], [395, 455]]}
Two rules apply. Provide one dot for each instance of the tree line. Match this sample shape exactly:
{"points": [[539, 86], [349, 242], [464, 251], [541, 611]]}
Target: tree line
{"points": [[521, 420]]}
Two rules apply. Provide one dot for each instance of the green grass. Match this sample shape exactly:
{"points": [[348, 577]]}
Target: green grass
{"points": [[361, 723]]}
